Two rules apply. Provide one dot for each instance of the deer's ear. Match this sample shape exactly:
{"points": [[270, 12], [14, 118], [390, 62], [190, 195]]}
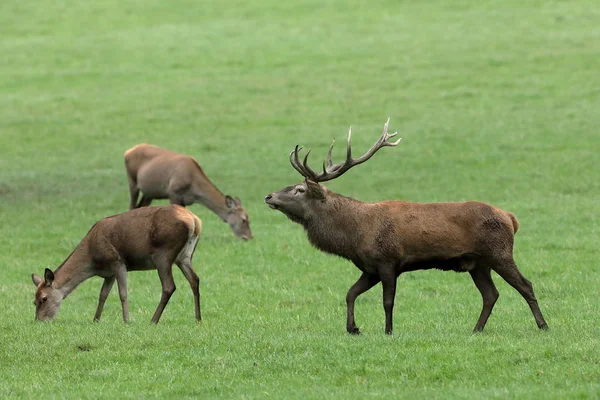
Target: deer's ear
{"points": [[36, 279], [315, 190], [229, 202], [48, 276]]}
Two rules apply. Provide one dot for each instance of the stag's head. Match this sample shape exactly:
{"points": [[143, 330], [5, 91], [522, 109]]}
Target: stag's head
{"points": [[47, 298], [237, 218], [300, 202]]}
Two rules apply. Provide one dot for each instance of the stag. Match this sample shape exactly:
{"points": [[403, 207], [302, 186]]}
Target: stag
{"points": [[142, 239], [163, 174], [385, 239]]}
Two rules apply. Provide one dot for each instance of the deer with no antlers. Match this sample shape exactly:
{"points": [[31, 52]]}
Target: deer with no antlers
{"points": [[162, 174], [141, 239], [385, 239]]}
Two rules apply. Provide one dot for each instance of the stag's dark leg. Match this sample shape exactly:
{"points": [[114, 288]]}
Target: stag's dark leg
{"points": [[511, 274], [121, 276], [106, 287], [165, 273], [145, 201], [388, 281], [483, 280], [364, 283], [190, 275]]}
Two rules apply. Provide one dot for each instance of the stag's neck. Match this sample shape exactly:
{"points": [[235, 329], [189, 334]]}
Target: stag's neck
{"points": [[210, 196], [74, 270], [336, 227]]}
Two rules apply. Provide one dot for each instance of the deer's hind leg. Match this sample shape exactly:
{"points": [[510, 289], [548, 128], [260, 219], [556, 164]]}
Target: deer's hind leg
{"points": [[120, 271], [184, 262], [134, 191], [163, 260], [508, 270], [186, 267]]}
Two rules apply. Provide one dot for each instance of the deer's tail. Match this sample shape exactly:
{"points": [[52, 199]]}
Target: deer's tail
{"points": [[515, 222]]}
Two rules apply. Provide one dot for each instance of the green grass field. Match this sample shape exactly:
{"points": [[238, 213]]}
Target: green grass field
{"points": [[496, 101]]}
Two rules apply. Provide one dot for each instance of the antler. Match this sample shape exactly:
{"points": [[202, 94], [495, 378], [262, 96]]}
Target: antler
{"points": [[331, 170]]}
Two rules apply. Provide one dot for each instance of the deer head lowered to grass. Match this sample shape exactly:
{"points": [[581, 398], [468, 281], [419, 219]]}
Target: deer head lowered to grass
{"points": [[385, 239], [143, 239], [163, 174]]}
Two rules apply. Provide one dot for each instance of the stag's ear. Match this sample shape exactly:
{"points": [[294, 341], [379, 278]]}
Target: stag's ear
{"points": [[36, 279], [229, 202], [48, 277], [315, 191], [238, 202]]}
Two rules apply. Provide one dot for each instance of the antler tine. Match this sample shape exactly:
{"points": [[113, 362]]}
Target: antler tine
{"points": [[386, 126], [295, 161], [386, 136], [382, 142], [329, 164], [392, 144], [308, 169], [329, 161], [349, 147], [331, 171]]}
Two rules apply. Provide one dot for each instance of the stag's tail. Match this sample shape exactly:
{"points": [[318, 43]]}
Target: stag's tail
{"points": [[515, 222]]}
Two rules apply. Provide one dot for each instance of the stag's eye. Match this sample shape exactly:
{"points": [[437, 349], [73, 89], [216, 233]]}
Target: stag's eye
{"points": [[300, 189], [43, 299]]}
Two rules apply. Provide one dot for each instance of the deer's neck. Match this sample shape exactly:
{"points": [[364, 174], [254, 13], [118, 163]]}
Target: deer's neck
{"points": [[337, 226], [211, 197], [74, 270]]}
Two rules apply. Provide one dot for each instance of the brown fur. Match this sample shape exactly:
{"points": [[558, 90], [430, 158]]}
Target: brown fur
{"points": [[197, 226], [141, 239], [163, 174], [387, 238]]}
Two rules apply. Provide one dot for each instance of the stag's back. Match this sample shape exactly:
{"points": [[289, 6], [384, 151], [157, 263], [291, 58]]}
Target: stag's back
{"points": [[442, 229]]}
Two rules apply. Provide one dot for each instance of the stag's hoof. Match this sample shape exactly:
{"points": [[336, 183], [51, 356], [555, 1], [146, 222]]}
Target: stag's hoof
{"points": [[353, 330]]}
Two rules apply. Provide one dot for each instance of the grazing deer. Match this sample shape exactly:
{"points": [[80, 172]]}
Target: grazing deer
{"points": [[163, 174], [143, 239], [387, 238]]}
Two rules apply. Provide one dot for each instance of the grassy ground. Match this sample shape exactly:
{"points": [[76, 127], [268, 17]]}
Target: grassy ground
{"points": [[496, 101]]}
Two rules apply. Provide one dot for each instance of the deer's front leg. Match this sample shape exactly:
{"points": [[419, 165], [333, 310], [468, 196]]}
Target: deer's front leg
{"points": [[106, 287], [388, 281], [364, 283], [144, 201], [121, 276]]}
